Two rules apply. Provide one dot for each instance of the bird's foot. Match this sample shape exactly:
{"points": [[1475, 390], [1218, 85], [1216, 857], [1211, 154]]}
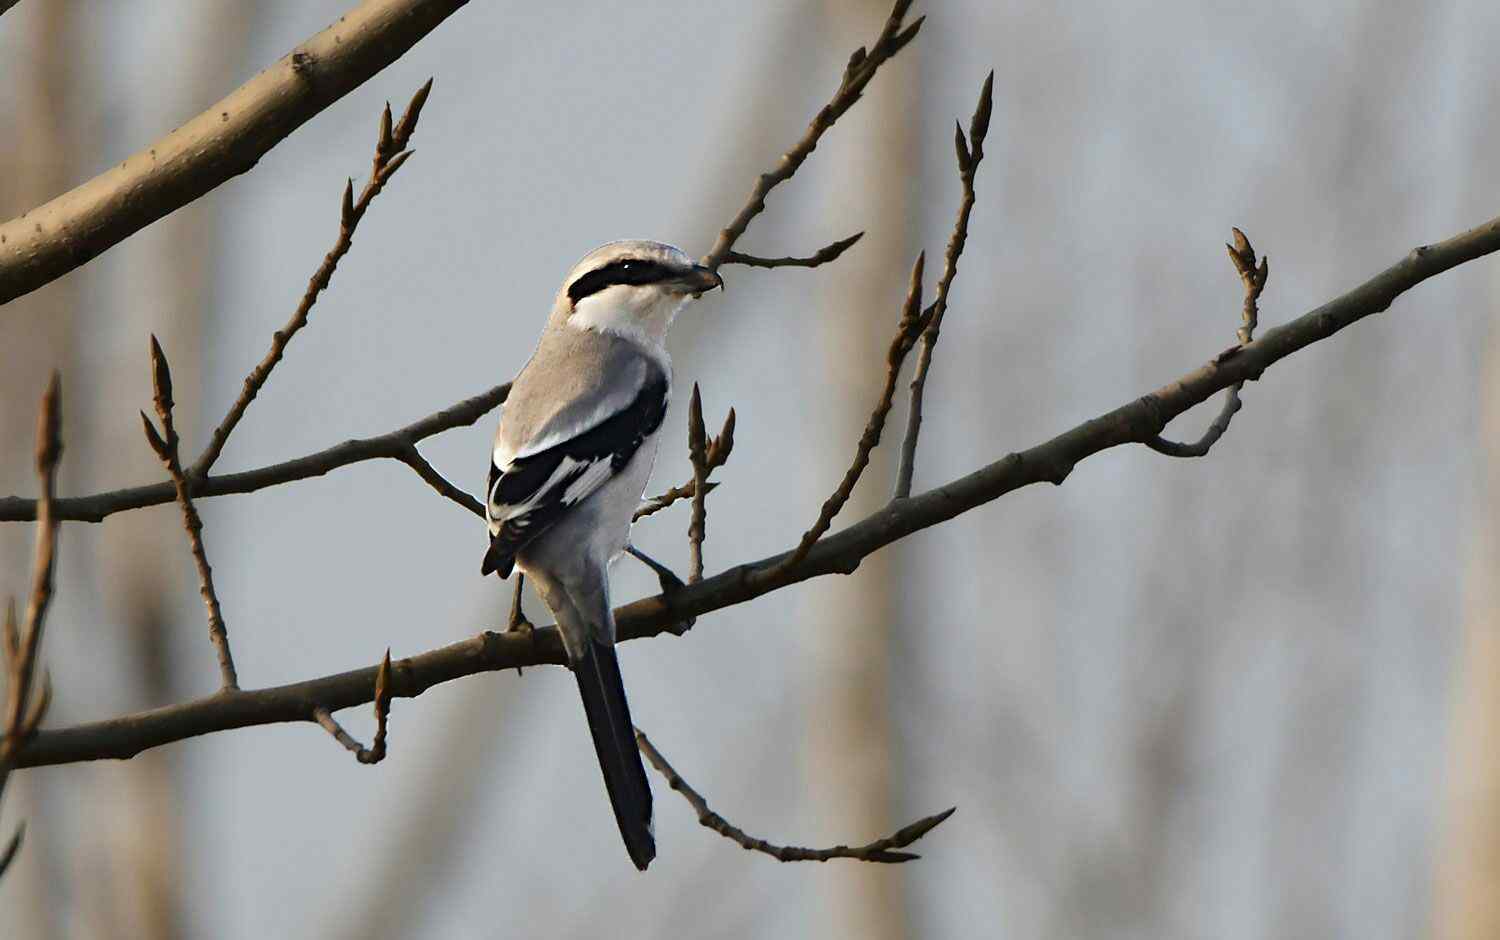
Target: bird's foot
{"points": [[670, 586], [518, 621]]}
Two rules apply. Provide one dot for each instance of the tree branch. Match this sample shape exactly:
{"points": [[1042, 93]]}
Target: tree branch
{"points": [[706, 456], [375, 753], [390, 154], [656, 504], [23, 645], [881, 850], [969, 157], [913, 321], [1254, 279], [821, 257], [212, 148], [857, 74], [396, 445], [841, 552], [23, 713], [168, 451]]}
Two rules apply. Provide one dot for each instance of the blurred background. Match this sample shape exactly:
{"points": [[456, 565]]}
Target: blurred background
{"points": [[1254, 695]]}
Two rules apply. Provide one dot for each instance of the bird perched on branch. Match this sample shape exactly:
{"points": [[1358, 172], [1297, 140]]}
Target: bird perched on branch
{"points": [[577, 440]]}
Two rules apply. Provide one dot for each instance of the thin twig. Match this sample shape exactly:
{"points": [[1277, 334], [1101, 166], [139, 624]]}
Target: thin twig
{"points": [[821, 257], [857, 74], [1051, 461], [98, 507], [414, 459], [969, 157], [881, 850], [375, 753], [706, 456], [21, 644], [165, 444], [698, 456], [656, 504], [1253, 276], [390, 154], [913, 321]]}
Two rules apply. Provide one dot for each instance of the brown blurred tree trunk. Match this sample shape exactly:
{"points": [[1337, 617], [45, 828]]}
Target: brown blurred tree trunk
{"points": [[1468, 889], [852, 752], [39, 119], [141, 555]]}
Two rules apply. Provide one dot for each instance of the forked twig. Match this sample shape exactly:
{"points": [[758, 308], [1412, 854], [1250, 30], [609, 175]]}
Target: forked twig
{"points": [[970, 154], [913, 321], [706, 456], [166, 446], [857, 74], [881, 850], [375, 753]]}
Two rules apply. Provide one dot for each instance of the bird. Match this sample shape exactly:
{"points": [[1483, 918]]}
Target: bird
{"points": [[576, 444]]}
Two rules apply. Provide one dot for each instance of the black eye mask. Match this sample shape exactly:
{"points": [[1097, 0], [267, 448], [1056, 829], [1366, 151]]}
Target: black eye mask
{"points": [[624, 271]]}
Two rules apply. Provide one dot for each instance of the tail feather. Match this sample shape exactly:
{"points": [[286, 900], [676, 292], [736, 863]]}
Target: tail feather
{"points": [[603, 692]]}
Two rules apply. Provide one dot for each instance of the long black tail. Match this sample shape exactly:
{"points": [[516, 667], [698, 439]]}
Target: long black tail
{"points": [[603, 691]]}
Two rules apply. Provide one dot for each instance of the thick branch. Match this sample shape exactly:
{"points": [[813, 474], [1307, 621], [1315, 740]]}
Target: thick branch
{"points": [[397, 445], [881, 850], [841, 552], [217, 145]]}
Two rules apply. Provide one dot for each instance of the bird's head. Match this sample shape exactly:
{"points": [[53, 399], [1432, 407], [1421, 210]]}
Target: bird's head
{"points": [[632, 289]]}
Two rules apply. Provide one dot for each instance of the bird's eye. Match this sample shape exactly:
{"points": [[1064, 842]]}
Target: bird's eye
{"points": [[628, 266]]}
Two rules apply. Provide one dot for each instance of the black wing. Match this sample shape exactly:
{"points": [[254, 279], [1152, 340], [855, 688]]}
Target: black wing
{"points": [[533, 492]]}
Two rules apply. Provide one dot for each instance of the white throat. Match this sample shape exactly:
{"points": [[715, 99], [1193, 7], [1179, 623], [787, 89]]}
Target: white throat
{"points": [[639, 315]]}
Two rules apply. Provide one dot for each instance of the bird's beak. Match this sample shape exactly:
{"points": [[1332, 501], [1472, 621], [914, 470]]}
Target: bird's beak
{"points": [[700, 280]]}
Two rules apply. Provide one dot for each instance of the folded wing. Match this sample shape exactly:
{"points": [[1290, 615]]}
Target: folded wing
{"points": [[531, 491]]}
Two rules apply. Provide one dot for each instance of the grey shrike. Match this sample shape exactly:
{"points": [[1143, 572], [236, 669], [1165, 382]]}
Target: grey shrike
{"points": [[576, 444]]}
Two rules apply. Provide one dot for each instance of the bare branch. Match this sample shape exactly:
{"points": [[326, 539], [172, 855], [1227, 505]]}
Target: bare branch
{"points": [[393, 446], [21, 644], [969, 158], [821, 257], [1049, 462], [706, 456], [412, 458], [698, 456], [1253, 276], [913, 321], [167, 450], [13, 847], [857, 74], [375, 753], [881, 850], [214, 147], [387, 161], [657, 503]]}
